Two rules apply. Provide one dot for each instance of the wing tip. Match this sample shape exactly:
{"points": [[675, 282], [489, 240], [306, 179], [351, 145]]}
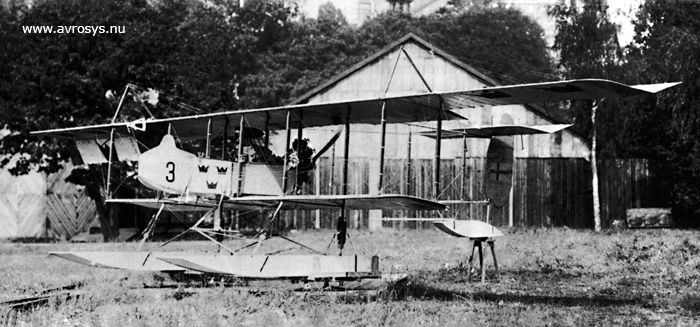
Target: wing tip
{"points": [[655, 88]]}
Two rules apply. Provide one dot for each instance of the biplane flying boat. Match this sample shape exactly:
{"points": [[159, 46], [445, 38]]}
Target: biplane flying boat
{"points": [[189, 182]]}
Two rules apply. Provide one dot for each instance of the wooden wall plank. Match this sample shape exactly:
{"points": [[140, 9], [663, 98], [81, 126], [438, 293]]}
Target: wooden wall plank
{"points": [[28, 201], [547, 191]]}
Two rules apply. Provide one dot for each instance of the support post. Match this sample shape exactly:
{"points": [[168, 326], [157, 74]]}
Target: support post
{"points": [[223, 143], [464, 166], [109, 164], [346, 155], [380, 185], [240, 140], [267, 130], [317, 191], [438, 143], [119, 106], [300, 135], [286, 153], [409, 165], [331, 184], [207, 151], [342, 220], [239, 171]]}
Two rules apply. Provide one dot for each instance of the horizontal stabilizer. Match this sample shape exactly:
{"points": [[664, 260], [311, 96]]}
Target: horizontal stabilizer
{"points": [[468, 228]]}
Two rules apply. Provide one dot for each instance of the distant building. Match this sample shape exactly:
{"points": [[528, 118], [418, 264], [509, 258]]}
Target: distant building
{"points": [[412, 65], [358, 11]]}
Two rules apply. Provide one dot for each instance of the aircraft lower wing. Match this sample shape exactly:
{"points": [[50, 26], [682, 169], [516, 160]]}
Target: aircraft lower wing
{"points": [[291, 202], [140, 261]]}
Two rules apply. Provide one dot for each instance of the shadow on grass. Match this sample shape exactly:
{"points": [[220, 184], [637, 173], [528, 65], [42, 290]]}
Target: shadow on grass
{"points": [[414, 289], [691, 302]]}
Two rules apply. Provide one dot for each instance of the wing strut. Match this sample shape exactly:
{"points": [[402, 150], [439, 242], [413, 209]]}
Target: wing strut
{"points": [[342, 219], [207, 153], [150, 227], [380, 187], [286, 153], [109, 164], [300, 135], [438, 142]]}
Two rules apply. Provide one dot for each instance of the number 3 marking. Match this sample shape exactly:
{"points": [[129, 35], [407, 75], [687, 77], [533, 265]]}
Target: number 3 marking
{"points": [[171, 177]]}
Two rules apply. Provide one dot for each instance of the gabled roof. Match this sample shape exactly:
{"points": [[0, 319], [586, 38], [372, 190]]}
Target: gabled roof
{"points": [[410, 37], [428, 47]]}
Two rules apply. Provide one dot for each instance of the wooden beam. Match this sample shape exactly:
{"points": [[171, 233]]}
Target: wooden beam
{"points": [[380, 185], [223, 143], [121, 101], [109, 164], [346, 154], [342, 220], [409, 166], [238, 171], [410, 60], [207, 151], [286, 153], [300, 135], [438, 148], [240, 139], [267, 130], [464, 166]]}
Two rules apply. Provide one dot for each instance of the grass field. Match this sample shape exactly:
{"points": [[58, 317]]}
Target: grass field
{"points": [[556, 277]]}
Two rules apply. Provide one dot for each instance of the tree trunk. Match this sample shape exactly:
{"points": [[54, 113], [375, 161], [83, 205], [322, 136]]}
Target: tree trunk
{"points": [[108, 214], [594, 172]]}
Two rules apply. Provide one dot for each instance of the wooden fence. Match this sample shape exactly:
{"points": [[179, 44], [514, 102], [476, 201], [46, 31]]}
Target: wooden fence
{"points": [[36, 205], [547, 192], [552, 192], [629, 183]]}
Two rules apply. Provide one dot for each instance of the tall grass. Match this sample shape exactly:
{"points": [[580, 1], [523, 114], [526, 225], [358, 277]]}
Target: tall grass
{"points": [[556, 277]]}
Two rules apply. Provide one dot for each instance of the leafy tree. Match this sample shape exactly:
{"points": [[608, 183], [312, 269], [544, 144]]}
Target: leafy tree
{"points": [[59, 80], [666, 49], [192, 50], [501, 42], [313, 51], [587, 44], [330, 18], [214, 55], [664, 127]]}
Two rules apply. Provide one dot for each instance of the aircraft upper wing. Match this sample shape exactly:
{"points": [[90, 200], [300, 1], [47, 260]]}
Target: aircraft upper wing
{"points": [[399, 109], [582, 89], [497, 130], [425, 107], [291, 202]]}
